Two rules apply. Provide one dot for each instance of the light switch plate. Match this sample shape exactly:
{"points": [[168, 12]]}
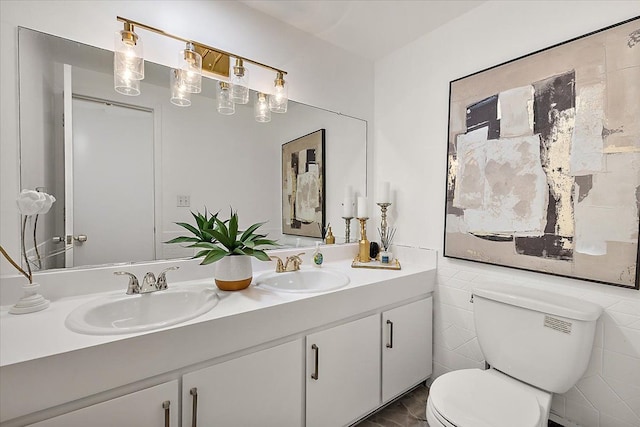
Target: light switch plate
{"points": [[184, 201]]}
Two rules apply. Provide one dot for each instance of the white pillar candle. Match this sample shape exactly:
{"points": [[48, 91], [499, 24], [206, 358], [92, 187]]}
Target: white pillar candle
{"points": [[384, 193], [362, 207], [347, 207]]}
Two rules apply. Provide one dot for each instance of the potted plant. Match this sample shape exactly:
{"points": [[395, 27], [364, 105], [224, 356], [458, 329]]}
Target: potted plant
{"points": [[232, 249]]}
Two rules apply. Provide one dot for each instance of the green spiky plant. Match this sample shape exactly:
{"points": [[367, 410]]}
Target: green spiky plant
{"points": [[218, 239]]}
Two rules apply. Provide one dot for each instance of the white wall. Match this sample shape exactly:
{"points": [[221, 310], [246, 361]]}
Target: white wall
{"points": [[410, 141], [319, 73]]}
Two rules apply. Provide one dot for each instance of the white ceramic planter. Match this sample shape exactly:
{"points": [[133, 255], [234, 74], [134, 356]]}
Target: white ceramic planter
{"points": [[233, 272]]}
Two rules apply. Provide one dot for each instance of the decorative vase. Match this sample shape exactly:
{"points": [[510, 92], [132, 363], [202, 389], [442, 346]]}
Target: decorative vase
{"points": [[233, 272], [31, 301]]}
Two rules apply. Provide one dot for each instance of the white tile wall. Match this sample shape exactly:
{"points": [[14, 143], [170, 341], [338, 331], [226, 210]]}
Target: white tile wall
{"points": [[608, 395]]}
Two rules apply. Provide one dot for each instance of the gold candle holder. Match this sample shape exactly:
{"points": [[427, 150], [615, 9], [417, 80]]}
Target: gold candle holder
{"points": [[363, 247], [347, 228], [383, 222]]}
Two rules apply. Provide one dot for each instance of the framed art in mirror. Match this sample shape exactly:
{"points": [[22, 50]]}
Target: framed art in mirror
{"points": [[543, 160], [303, 185]]}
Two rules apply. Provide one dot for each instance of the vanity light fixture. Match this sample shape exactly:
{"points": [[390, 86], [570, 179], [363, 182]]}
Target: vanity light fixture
{"points": [[191, 66], [225, 104], [239, 83], [279, 98], [180, 96], [261, 108], [195, 59], [128, 62]]}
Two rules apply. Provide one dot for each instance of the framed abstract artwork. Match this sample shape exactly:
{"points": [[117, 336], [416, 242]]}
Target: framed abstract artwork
{"points": [[303, 185], [543, 160]]}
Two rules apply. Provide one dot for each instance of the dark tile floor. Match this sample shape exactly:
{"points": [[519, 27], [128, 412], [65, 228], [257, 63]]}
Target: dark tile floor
{"points": [[407, 411]]}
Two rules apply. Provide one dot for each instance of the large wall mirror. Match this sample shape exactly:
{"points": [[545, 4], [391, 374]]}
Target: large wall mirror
{"points": [[125, 169]]}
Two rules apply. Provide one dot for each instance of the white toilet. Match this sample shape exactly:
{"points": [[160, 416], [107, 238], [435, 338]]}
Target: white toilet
{"points": [[537, 344]]}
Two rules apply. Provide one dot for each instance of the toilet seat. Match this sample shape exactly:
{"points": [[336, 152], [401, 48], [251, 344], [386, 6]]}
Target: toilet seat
{"points": [[476, 398]]}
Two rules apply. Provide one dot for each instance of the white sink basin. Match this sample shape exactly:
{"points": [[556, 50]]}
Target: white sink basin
{"points": [[307, 280], [123, 314]]}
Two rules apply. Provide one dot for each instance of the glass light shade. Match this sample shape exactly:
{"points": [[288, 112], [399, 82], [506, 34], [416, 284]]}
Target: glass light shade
{"points": [[261, 108], [239, 83], [126, 86], [279, 99], [179, 96], [191, 66], [128, 62], [225, 104]]}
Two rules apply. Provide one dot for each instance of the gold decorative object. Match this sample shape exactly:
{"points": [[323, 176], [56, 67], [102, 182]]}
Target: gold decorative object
{"points": [[377, 265], [330, 239], [363, 247]]}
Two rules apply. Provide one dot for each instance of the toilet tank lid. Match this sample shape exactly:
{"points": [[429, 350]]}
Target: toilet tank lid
{"points": [[540, 300]]}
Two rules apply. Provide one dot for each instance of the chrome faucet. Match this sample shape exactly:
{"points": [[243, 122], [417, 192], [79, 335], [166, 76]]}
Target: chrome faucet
{"points": [[161, 284], [149, 283], [292, 263], [134, 286]]}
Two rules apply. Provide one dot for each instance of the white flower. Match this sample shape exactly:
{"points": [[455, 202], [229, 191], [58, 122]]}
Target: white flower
{"points": [[31, 202], [48, 203]]}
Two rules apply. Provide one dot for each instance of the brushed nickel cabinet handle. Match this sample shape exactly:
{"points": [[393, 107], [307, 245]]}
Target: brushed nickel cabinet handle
{"points": [[314, 375], [167, 413], [390, 343], [194, 411]]}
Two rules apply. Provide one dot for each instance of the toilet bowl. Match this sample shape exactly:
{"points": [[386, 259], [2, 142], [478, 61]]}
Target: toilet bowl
{"points": [[521, 332], [474, 398]]}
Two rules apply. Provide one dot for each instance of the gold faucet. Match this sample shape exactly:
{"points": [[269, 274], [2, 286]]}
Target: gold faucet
{"points": [[292, 263]]}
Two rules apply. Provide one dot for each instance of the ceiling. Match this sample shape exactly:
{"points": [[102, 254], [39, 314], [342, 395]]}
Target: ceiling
{"points": [[371, 29]]}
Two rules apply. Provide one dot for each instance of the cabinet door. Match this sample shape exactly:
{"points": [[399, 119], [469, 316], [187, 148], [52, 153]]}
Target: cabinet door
{"points": [[260, 389], [343, 372], [147, 408], [406, 347]]}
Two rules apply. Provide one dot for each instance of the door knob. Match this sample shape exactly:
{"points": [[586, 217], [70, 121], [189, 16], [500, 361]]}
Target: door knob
{"points": [[57, 239], [80, 238]]}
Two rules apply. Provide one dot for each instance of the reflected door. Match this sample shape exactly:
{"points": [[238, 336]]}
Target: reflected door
{"points": [[113, 183]]}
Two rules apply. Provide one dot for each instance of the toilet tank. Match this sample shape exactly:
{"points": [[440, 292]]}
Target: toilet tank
{"points": [[540, 338]]}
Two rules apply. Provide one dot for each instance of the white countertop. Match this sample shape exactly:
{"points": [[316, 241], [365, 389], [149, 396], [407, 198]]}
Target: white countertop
{"points": [[42, 334]]}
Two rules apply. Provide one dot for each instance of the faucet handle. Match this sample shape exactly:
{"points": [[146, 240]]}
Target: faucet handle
{"points": [[296, 258], [161, 284], [134, 285], [279, 265]]}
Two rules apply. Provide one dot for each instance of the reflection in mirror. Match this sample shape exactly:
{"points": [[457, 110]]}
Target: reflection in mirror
{"points": [[126, 169]]}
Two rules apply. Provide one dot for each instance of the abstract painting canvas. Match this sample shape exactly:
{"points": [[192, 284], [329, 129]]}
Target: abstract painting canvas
{"points": [[543, 169], [303, 185]]}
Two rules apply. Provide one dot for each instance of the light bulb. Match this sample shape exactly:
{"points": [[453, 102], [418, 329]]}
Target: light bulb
{"points": [[191, 66], [128, 62], [261, 109], [225, 104], [179, 95], [239, 83], [279, 100]]}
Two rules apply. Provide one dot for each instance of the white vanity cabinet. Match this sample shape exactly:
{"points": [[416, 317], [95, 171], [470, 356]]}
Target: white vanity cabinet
{"points": [[343, 372], [259, 389], [406, 347], [152, 407]]}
